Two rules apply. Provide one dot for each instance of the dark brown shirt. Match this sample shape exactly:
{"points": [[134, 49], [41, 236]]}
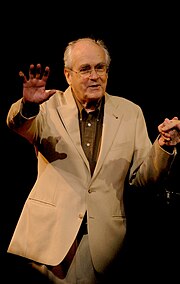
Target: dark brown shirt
{"points": [[91, 130]]}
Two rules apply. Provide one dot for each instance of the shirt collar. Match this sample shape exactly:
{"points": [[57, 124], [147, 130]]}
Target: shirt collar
{"points": [[97, 110]]}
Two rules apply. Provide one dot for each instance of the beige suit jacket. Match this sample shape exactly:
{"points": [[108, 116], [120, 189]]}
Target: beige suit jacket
{"points": [[64, 190]]}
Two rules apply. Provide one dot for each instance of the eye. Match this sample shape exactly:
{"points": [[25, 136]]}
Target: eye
{"points": [[85, 68], [100, 67]]}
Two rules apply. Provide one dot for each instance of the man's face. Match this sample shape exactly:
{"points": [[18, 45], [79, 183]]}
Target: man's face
{"points": [[88, 76]]}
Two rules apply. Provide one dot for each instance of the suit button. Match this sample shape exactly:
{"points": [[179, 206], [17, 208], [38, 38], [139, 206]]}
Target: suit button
{"points": [[89, 190], [81, 215]]}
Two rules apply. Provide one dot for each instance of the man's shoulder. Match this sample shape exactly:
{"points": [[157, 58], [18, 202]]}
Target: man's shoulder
{"points": [[119, 100]]}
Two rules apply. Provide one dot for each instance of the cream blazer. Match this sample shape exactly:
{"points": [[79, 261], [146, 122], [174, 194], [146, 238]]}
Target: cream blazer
{"points": [[64, 189]]}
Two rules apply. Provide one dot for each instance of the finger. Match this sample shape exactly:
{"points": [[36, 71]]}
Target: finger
{"points": [[175, 121], [46, 73], [175, 118], [31, 71], [166, 138], [171, 124], [22, 76], [166, 134], [38, 71]]}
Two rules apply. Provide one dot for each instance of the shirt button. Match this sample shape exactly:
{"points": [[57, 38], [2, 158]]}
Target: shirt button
{"points": [[88, 144], [89, 124]]}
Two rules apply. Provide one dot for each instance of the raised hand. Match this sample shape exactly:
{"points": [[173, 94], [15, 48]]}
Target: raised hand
{"points": [[34, 86]]}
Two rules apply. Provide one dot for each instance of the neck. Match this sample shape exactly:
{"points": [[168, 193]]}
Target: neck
{"points": [[90, 106]]}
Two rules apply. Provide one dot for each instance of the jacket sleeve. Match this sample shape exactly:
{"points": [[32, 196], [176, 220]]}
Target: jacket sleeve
{"points": [[155, 167], [24, 126]]}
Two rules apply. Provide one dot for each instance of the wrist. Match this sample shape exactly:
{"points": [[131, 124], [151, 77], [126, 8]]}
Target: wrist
{"points": [[29, 109], [164, 146]]}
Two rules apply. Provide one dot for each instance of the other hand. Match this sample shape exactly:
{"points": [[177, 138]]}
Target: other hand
{"points": [[169, 132]]}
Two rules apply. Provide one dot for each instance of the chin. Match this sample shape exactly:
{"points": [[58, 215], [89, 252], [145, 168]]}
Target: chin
{"points": [[95, 96]]}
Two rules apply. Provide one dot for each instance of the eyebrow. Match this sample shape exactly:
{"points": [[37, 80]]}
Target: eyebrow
{"points": [[88, 65]]}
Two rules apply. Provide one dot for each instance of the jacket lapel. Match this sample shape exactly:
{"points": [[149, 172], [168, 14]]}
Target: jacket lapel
{"points": [[111, 123], [69, 116]]}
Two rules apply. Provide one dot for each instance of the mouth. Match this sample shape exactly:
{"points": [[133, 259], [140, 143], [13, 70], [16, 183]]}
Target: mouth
{"points": [[94, 86]]}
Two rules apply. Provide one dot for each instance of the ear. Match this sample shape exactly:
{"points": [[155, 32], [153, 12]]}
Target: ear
{"points": [[67, 75]]}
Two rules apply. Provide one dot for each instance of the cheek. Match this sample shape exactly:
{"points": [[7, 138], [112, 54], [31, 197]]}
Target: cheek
{"points": [[104, 83], [78, 88], [78, 85], [68, 77]]}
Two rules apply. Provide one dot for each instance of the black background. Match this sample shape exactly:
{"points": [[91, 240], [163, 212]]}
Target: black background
{"points": [[143, 41]]}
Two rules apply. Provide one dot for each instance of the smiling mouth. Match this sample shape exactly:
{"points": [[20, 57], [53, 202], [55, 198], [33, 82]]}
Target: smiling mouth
{"points": [[95, 86]]}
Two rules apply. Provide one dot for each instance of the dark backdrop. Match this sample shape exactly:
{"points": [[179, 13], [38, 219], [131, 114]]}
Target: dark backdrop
{"points": [[144, 46]]}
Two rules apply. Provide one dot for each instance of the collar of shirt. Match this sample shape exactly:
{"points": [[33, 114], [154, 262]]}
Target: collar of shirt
{"points": [[83, 113]]}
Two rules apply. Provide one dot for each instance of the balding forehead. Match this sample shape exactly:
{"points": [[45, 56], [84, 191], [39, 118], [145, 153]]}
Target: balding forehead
{"points": [[85, 43], [87, 49]]}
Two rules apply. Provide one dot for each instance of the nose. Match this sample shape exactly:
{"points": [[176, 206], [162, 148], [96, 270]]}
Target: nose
{"points": [[94, 73]]}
